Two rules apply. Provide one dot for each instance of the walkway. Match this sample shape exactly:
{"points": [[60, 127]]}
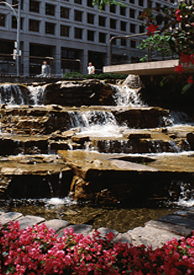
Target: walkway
{"points": [[155, 233], [146, 68]]}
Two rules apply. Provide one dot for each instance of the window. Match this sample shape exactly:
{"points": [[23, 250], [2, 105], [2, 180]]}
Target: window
{"points": [[123, 42], [15, 2], [102, 21], [78, 2], [90, 18], [102, 37], [64, 12], [34, 25], [132, 1], [64, 30], [149, 4], [14, 23], [89, 3], [91, 35], [123, 26], [132, 13], [122, 11], [140, 13], [34, 6], [2, 19], [113, 23], [158, 6], [141, 29], [113, 8], [132, 28], [141, 3], [78, 33], [133, 44], [49, 28], [49, 9], [78, 15]]}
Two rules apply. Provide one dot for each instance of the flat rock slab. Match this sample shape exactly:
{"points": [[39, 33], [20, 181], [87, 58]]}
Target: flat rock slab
{"points": [[123, 238], [10, 216], [85, 164], [151, 236], [29, 221], [175, 219], [32, 165], [56, 224], [84, 229], [174, 228]]}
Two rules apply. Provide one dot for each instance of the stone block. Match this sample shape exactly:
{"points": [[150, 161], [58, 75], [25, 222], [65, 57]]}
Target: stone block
{"points": [[10, 216], [56, 224], [29, 221], [175, 219], [123, 238], [177, 229]]}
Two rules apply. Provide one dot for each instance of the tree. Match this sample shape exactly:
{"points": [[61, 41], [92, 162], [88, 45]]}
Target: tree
{"points": [[175, 25]]}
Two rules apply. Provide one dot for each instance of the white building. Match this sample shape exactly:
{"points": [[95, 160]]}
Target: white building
{"points": [[69, 34]]}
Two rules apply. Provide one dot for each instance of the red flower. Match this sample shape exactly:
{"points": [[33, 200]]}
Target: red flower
{"points": [[179, 68], [185, 58], [151, 29], [190, 79], [178, 15]]}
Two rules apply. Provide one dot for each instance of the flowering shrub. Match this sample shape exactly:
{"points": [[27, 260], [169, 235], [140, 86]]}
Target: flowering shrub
{"points": [[176, 25], [38, 250]]}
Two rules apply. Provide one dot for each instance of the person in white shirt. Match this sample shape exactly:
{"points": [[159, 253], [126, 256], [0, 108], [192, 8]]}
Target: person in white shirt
{"points": [[46, 71], [91, 69]]}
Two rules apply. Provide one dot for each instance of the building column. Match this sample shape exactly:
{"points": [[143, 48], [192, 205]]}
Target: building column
{"points": [[84, 62], [57, 57], [25, 58]]}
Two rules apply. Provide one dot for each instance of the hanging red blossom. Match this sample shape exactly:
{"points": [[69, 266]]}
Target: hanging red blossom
{"points": [[178, 15], [185, 58], [151, 29], [179, 68], [190, 79]]}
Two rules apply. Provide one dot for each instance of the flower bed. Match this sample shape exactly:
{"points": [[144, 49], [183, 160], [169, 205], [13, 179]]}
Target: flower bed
{"points": [[39, 250]]}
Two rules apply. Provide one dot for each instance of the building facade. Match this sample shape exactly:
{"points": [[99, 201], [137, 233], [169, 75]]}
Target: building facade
{"points": [[69, 34]]}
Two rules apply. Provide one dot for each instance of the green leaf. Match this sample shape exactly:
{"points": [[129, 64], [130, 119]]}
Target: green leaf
{"points": [[186, 87]]}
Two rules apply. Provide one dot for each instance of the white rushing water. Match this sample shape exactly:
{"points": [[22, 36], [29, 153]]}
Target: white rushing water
{"points": [[126, 96], [96, 123]]}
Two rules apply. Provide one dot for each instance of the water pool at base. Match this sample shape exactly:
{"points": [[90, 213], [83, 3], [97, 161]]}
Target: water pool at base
{"points": [[116, 217]]}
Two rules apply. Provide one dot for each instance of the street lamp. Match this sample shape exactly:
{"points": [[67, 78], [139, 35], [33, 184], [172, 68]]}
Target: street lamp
{"points": [[18, 17]]}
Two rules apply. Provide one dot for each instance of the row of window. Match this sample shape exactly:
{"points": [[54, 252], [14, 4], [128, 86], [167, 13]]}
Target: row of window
{"points": [[34, 25], [50, 9]]}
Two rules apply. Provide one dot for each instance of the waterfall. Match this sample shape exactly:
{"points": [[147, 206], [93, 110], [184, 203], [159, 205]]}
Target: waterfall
{"points": [[15, 95], [11, 94], [96, 123], [125, 96], [36, 94]]}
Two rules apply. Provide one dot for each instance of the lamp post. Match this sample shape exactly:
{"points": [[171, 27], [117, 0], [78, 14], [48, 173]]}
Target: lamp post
{"points": [[18, 17]]}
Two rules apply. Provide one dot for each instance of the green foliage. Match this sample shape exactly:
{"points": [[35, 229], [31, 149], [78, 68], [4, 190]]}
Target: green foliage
{"points": [[102, 3], [101, 76], [159, 43]]}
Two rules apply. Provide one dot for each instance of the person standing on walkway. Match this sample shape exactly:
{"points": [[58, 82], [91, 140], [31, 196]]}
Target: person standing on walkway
{"points": [[91, 69], [46, 70]]}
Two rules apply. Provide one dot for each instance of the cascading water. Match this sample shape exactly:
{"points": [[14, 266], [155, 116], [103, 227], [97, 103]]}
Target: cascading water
{"points": [[125, 96], [17, 95], [96, 124]]}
